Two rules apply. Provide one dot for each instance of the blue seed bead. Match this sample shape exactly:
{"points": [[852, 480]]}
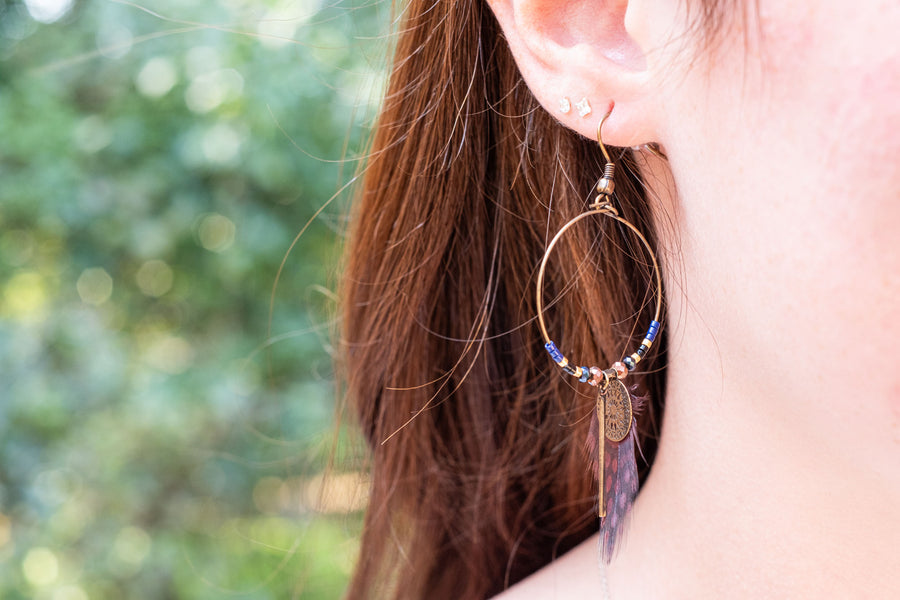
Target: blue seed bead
{"points": [[629, 362], [642, 351], [652, 331], [585, 374], [553, 351], [570, 370]]}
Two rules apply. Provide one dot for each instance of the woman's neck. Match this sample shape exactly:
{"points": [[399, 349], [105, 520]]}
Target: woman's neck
{"points": [[739, 505], [750, 495]]}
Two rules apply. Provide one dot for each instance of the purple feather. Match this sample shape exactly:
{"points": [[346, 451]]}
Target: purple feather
{"points": [[620, 489], [592, 448], [620, 479]]}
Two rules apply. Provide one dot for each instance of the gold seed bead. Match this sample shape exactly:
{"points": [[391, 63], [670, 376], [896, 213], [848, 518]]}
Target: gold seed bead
{"points": [[606, 187]]}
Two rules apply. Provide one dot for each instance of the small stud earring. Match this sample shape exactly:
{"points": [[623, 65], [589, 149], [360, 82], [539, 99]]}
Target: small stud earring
{"points": [[565, 106], [584, 107]]}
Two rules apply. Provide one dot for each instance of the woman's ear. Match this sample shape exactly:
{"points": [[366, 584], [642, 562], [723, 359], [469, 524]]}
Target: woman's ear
{"points": [[592, 51]]}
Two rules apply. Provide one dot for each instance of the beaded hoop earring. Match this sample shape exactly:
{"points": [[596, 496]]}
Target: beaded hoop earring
{"points": [[613, 449]]}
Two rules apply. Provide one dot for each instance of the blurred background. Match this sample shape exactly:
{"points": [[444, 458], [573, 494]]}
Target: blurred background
{"points": [[165, 418]]}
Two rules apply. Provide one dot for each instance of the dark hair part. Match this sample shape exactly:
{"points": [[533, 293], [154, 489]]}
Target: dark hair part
{"points": [[486, 479]]}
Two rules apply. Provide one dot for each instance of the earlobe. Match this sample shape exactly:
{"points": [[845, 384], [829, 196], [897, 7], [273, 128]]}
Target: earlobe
{"points": [[581, 51]]}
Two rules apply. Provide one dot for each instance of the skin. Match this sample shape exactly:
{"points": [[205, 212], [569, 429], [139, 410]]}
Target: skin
{"points": [[778, 474]]}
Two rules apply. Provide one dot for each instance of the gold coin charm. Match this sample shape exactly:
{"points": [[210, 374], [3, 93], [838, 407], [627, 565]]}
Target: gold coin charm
{"points": [[618, 410]]}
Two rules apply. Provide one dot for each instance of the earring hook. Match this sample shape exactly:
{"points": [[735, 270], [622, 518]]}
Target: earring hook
{"points": [[607, 185], [600, 130]]}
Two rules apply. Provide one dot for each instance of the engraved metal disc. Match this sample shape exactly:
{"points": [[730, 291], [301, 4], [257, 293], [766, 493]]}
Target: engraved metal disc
{"points": [[618, 411]]}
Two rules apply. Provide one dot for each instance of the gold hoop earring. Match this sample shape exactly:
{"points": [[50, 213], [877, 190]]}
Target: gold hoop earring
{"points": [[613, 449]]}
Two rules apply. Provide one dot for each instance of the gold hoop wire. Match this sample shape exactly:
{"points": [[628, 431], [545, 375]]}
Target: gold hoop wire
{"points": [[600, 206]]}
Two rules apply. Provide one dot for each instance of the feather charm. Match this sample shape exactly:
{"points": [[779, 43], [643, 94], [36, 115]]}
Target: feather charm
{"points": [[613, 463], [620, 487]]}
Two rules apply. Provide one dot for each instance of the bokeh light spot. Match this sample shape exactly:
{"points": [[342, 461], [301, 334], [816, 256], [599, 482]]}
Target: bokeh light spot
{"points": [[92, 134], [155, 278], [156, 77], [279, 25], [16, 247], [170, 354], [216, 232], [94, 286], [207, 91], [270, 495], [5, 530], [48, 11], [335, 493], [70, 592], [200, 60], [132, 545], [56, 486], [40, 567], [221, 144], [25, 295]]}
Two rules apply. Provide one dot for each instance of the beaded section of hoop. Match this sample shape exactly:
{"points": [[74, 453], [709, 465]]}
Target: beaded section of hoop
{"points": [[619, 370]]}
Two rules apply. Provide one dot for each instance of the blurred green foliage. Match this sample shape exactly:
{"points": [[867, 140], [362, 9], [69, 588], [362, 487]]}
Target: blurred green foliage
{"points": [[156, 162]]}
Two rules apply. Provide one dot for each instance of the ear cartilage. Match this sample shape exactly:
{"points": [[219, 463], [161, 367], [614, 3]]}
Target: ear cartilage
{"points": [[584, 107], [565, 105]]}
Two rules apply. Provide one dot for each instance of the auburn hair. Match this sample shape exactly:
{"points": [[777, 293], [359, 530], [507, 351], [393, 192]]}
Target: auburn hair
{"points": [[478, 469]]}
